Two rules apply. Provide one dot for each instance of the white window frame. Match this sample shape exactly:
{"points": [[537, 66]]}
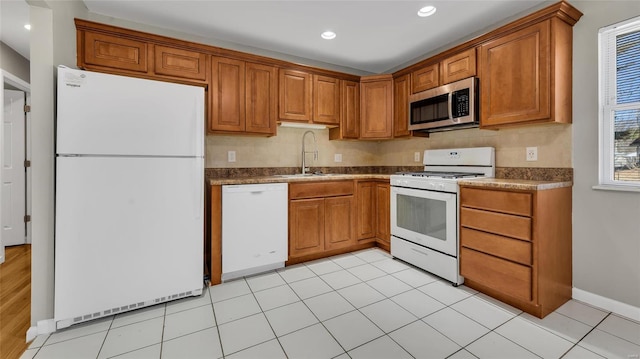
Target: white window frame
{"points": [[607, 104]]}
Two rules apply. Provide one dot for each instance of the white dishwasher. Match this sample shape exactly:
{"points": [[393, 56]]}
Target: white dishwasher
{"points": [[254, 228]]}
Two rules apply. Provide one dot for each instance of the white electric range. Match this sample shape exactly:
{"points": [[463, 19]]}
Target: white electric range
{"points": [[425, 208]]}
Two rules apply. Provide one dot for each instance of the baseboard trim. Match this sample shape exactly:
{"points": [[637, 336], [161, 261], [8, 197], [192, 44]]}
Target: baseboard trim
{"points": [[32, 333], [623, 309]]}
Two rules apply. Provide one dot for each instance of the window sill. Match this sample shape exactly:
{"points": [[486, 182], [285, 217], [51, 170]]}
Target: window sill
{"points": [[618, 188]]}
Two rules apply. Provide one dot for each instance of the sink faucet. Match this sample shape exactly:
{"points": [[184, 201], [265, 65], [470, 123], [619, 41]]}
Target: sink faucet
{"points": [[304, 151]]}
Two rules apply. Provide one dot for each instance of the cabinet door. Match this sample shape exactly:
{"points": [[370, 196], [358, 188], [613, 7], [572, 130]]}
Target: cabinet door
{"points": [[366, 210], [350, 109], [401, 106], [326, 100], [227, 95], [383, 198], [376, 109], [339, 222], [170, 61], [115, 52], [425, 78], [458, 67], [515, 77], [350, 112], [295, 95], [261, 98], [306, 227]]}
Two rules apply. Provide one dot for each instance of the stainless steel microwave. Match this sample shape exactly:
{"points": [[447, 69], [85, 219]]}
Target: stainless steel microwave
{"points": [[448, 107]]}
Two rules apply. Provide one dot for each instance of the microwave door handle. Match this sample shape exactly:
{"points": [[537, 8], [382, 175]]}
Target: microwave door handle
{"points": [[451, 106]]}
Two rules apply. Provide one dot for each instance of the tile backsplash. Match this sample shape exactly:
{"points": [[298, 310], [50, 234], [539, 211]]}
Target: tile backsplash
{"points": [[284, 150]]}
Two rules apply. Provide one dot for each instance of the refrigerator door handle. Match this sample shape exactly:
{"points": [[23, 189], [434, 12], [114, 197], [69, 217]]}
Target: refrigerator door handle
{"points": [[198, 182]]}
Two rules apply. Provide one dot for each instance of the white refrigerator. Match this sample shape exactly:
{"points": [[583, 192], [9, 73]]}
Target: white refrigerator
{"points": [[129, 217]]}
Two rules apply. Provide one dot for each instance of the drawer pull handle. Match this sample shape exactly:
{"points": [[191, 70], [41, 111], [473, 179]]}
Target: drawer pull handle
{"points": [[423, 253]]}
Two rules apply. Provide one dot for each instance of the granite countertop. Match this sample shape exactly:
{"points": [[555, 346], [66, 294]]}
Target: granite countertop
{"points": [[293, 178], [503, 183]]}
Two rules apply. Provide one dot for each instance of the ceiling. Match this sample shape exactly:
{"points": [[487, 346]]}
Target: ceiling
{"points": [[14, 14], [372, 36]]}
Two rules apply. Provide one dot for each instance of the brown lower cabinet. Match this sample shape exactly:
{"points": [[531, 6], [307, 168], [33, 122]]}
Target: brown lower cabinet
{"points": [[372, 208], [321, 218], [516, 246]]}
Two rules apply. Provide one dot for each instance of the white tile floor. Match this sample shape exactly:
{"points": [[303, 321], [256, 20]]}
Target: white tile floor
{"points": [[358, 305]]}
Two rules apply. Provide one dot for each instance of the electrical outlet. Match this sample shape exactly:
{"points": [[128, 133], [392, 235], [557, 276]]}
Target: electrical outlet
{"points": [[532, 153], [231, 156], [337, 157], [416, 156]]}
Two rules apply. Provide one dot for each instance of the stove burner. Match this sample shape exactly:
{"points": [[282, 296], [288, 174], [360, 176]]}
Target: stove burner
{"points": [[436, 174]]}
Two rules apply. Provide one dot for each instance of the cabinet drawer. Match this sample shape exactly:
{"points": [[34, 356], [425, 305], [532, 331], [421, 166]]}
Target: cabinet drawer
{"points": [[498, 223], [425, 78], [507, 248], [458, 67], [320, 189], [180, 63], [115, 52], [504, 276], [501, 201]]}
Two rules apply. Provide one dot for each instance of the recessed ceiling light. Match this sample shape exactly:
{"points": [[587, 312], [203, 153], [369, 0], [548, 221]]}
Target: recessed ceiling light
{"points": [[427, 11], [328, 35], [27, 26]]}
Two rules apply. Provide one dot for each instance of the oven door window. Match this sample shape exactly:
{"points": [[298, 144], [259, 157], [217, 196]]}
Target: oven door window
{"points": [[427, 218]]}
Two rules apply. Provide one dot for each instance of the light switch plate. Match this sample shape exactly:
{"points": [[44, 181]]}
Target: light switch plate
{"points": [[416, 156], [532, 153], [231, 156], [337, 157]]}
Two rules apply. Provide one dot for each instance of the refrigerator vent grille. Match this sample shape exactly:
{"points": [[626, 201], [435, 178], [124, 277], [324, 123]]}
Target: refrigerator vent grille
{"points": [[126, 308]]}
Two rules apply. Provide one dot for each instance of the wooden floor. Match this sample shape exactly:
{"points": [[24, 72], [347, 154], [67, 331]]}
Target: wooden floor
{"points": [[15, 301]]}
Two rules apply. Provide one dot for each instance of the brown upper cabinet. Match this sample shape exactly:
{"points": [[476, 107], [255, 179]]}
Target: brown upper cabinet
{"points": [[350, 112], [524, 70], [170, 61], [295, 95], [326, 100], [458, 67], [243, 97], [401, 106], [311, 98], [120, 54], [425, 78], [376, 107], [113, 52], [525, 77], [453, 68]]}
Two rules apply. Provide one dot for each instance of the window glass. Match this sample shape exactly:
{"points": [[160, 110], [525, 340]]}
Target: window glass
{"points": [[620, 104]]}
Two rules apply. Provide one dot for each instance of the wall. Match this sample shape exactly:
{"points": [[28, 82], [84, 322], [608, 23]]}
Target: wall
{"points": [[606, 230], [283, 150], [13, 62], [553, 142], [52, 44]]}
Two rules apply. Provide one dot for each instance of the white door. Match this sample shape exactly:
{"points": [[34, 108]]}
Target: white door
{"points": [[13, 174], [128, 230], [101, 114]]}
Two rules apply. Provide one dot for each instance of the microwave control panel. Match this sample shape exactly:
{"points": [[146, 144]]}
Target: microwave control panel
{"points": [[460, 103]]}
